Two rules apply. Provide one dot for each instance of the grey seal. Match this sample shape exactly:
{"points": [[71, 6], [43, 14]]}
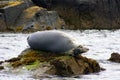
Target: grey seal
{"points": [[54, 41]]}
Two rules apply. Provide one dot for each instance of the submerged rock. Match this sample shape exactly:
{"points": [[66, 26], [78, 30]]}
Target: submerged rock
{"points": [[54, 64], [115, 57]]}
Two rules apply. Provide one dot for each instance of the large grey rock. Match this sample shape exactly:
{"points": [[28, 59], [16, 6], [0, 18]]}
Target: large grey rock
{"points": [[37, 18], [12, 12], [49, 19], [25, 21]]}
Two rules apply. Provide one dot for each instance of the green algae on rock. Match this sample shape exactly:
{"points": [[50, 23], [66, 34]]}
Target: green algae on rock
{"points": [[33, 65], [30, 56], [53, 64]]}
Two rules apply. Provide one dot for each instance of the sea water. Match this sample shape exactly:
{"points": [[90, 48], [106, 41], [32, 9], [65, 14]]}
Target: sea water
{"points": [[100, 43]]}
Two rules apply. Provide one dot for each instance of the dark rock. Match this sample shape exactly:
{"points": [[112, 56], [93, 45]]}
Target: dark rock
{"points": [[70, 66], [115, 57], [2, 23], [102, 69], [86, 14], [12, 60], [1, 67]]}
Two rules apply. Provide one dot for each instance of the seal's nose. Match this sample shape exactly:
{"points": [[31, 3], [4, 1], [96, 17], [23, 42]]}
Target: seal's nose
{"points": [[82, 49], [87, 49]]}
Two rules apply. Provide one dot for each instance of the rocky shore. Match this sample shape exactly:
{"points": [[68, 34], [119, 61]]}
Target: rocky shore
{"points": [[86, 14], [21, 17], [83, 14]]}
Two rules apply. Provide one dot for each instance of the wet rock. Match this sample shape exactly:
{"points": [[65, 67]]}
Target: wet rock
{"points": [[12, 60], [115, 57], [69, 66], [30, 56], [53, 64]]}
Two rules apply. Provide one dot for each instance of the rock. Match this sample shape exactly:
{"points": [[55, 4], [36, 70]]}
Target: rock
{"points": [[1, 67], [42, 63], [70, 66], [37, 18], [86, 14], [12, 60], [115, 57], [11, 11], [49, 20], [25, 21], [17, 16], [3, 26]]}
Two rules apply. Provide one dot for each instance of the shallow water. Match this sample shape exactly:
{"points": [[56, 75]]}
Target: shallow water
{"points": [[101, 44]]}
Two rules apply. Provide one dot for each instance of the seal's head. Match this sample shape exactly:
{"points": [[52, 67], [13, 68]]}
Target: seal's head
{"points": [[80, 49]]}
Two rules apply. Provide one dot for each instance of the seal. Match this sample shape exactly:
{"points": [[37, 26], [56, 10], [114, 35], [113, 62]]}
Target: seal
{"points": [[54, 41]]}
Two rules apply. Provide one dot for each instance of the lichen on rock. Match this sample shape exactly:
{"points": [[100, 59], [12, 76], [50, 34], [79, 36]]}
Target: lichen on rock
{"points": [[11, 3], [37, 18]]}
